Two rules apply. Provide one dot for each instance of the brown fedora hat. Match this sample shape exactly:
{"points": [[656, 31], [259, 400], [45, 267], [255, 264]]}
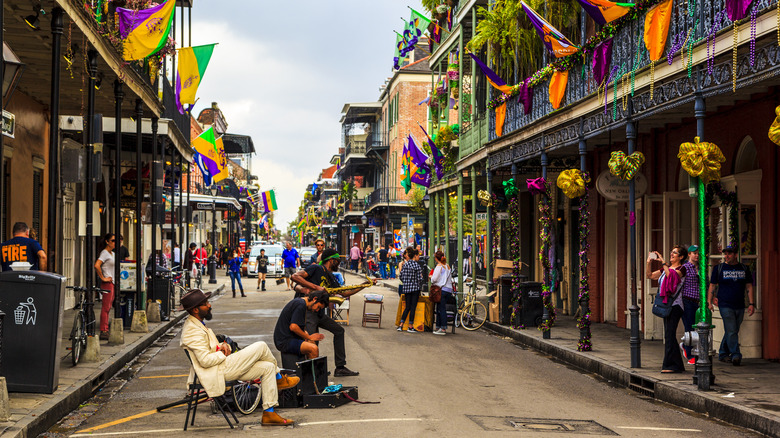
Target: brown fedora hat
{"points": [[192, 299]]}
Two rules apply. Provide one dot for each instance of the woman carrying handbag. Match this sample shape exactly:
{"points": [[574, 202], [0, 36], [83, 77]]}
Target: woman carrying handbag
{"points": [[441, 279], [673, 275]]}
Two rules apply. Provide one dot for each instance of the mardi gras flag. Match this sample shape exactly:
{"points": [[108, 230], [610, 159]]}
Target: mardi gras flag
{"points": [[657, 29], [399, 45], [418, 23], [438, 157], [398, 239], [491, 76], [205, 146], [555, 42], [269, 201], [604, 11], [145, 32], [406, 180], [192, 66], [418, 169]]}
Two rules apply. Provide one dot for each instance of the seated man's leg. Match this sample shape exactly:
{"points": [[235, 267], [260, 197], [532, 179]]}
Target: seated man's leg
{"points": [[255, 362]]}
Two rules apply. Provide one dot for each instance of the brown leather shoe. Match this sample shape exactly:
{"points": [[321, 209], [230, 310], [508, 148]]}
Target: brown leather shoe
{"points": [[287, 382], [273, 419], [103, 336]]}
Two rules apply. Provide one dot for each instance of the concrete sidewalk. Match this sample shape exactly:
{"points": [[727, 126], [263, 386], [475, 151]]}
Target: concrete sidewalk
{"points": [[32, 414], [747, 395]]}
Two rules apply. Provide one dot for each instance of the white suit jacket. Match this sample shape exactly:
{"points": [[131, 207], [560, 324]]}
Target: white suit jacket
{"points": [[207, 362]]}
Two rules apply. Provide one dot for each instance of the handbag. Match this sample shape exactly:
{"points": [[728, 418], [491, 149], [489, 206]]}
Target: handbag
{"points": [[663, 310], [434, 294]]}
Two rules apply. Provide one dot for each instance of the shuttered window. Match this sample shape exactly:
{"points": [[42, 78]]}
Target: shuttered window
{"points": [[37, 219], [4, 219]]}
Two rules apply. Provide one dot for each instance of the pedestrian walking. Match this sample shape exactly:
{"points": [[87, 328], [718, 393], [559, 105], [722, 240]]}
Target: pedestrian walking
{"points": [[691, 298], [383, 258], [393, 260], [262, 269], [104, 266], [176, 255], [732, 279], [442, 277], [291, 262], [354, 257], [21, 248], [234, 270], [670, 290], [411, 277]]}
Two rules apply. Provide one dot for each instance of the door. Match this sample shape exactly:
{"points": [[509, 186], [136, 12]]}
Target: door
{"points": [[610, 263], [653, 241]]}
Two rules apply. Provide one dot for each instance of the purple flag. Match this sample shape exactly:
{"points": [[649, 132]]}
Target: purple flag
{"points": [[438, 157], [737, 9], [422, 173], [602, 58], [553, 40], [526, 96]]}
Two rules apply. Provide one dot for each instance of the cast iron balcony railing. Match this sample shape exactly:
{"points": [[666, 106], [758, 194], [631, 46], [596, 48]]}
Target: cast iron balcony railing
{"points": [[383, 196], [182, 121], [710, 15], [356, 147]]}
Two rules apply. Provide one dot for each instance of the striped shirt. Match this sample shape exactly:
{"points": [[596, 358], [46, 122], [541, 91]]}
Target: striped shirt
{"points": [[411, 277], [691, 282]]}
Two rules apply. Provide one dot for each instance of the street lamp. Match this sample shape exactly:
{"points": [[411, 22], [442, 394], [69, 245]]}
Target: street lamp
{"points": [[426, 201], [364, 220], [212, 259], [12, 72]]}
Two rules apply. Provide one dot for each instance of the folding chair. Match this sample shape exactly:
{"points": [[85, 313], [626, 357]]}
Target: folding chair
{"points": [[337, 306], [193, 398]]}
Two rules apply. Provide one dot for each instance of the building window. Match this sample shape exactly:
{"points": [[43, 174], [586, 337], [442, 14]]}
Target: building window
{"points": [[37, 218]]}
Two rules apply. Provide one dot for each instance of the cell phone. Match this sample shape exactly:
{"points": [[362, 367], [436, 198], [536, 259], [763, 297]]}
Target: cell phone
{"points": [[653, 255]]}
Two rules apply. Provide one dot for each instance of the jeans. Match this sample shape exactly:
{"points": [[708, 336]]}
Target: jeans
{"points": [[354, 264], [732, 319], [689, 318], [383, 269], [235, 277], [411, 305], [441, 310], [314, 322], [105, 308], [392, 270], [672, 358]]}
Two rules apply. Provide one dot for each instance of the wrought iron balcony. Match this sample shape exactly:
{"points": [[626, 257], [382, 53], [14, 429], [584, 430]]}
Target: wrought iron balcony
{"points": [[384, 196], [182, 121], [709, 16], [356, 147]]}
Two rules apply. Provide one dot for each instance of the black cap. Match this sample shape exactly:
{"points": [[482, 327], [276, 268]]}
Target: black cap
{"points": [[730, 248]]}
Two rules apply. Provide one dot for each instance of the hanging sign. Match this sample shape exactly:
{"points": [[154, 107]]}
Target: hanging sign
{"points": [[9, 124], [616, 189]]}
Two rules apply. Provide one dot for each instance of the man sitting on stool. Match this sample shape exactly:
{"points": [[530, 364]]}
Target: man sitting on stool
{"points": [[289, 335], [215, 364], [317, 277]]}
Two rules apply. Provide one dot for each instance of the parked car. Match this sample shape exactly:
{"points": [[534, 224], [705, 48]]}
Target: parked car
{"points": [[275, 264], [306, 252]]}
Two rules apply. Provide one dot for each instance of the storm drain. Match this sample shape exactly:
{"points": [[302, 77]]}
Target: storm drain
{"points": [[642, 385], [583, 427]]}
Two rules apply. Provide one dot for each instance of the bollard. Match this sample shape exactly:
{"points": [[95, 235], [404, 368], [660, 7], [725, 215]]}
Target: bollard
{"points": [[116, 331], [153, 312], [92, 353], [704, 377], [139, 324]]}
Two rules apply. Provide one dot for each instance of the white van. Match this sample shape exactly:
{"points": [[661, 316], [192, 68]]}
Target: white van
{"points": [[275, 263]]}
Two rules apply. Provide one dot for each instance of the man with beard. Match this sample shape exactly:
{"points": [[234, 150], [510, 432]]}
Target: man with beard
{"points": [[317, 277], [215, 363]]}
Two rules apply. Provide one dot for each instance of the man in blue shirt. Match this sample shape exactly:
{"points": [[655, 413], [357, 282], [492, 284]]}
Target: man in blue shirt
{"points": [[291, 261], [22, 249], [732, 278]]}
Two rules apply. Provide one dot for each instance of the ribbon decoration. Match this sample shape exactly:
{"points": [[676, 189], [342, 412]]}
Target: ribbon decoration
{"points": [[774, 129], [701, 159], [572, 183], [536, 186], [509, 188], [484, 198], [625, 166]]}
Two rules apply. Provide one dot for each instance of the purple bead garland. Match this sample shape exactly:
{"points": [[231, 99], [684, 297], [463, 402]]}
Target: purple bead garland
{"points": [[583, 321], [753, 13], [545, 208], [514, 252]]}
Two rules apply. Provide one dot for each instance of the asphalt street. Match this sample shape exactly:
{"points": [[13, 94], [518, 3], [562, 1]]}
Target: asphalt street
{"points": [[463, 384]]}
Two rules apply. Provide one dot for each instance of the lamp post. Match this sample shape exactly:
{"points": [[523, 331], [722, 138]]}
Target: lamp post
{"points": [[212, 260], [364, 221]]}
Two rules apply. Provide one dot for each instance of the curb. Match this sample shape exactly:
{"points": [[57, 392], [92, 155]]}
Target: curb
{"points": [[48, 414], [701, 402]]}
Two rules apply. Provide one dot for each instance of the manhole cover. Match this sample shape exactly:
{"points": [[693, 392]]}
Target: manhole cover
{"points": [[583, 427]]}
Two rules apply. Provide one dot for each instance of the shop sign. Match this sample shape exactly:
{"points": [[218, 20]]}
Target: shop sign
{"points": [[204, 206], [9, 124], [370, 230], [502, 216], [616, 189]]}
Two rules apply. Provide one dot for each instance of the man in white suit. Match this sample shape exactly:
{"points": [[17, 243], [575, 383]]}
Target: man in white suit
{"points": [[214, 363]]}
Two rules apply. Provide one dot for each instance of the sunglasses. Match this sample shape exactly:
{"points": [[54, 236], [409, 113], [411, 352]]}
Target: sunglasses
{"points": [[112, 240]]}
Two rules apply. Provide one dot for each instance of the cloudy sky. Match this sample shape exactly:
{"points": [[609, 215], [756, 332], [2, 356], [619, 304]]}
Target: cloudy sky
{"points": [[282, 72]]}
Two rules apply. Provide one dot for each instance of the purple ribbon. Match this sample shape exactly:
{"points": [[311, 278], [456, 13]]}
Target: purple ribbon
{"points": [[526, 96], [536, 186], [602, 58]]}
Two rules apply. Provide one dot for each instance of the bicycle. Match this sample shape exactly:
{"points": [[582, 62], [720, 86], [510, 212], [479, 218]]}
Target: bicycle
{"points": [[471, 313], [82, 320]]}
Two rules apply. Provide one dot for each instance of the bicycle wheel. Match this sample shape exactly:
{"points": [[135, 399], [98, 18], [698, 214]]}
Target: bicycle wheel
{"points": [[474, 316], [78, 338], [247, 396], [198, 280]]}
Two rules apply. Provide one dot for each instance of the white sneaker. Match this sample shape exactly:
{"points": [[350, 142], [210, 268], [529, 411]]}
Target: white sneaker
{"points": [[411, 330], [439, 332], [399, 329]]}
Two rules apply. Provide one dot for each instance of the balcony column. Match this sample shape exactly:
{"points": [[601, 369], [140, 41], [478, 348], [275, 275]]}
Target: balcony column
{"points": [[119, 95], [139, 196], [436, 235], [489, 232], [585, 299], [474, 246], [54, 137], [446, 197], [546, 334], [89, 137], [634, 339], [458, 260], [431, 225], [154, 190]]}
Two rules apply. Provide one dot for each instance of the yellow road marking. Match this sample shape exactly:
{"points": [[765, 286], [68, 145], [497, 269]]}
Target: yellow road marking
{"points": [[126, 419], [137, 432], [163, 377]]}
